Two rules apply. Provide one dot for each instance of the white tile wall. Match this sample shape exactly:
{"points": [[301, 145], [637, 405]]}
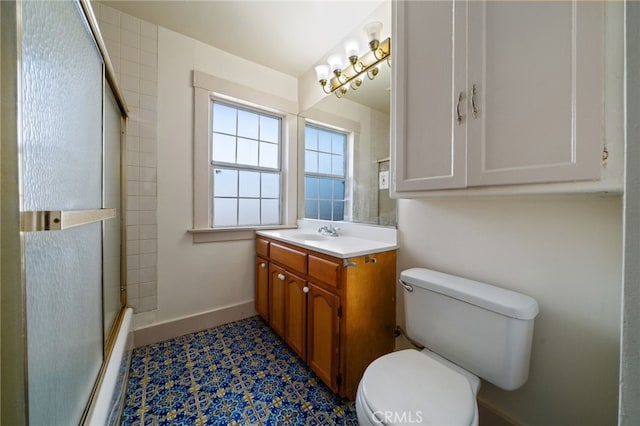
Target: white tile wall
{"points": [[133, 48]]}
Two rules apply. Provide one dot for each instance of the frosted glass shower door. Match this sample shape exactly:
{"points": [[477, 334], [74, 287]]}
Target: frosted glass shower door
{"points": [[61, 170]]}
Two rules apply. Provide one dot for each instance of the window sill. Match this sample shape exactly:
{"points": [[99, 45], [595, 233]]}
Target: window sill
{"points": [[211, 235]]}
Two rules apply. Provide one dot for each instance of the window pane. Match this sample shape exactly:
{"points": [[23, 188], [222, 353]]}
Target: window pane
{"points": [[325, 210], [311, 161], [270, 185], [248, 211], [249, 184], [224, 119], [338, 210], [224, 148], [242, 196], [338, 190], [324, 141], [311, 138], [269, 129], [325, 188], [225, 211], [270, 212], [337, 143], [337, 165], [247, 152], [268, 155], [310, 187], [324, 163], [225, 183], [248, 124], [311, 209]]}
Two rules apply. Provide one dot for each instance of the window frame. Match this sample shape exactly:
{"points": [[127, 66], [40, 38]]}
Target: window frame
{"points": [[318, 175], [206, 89], [338, 123]]}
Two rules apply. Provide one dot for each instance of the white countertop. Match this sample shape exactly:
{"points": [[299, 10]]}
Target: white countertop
{"points": [[353, 240]]}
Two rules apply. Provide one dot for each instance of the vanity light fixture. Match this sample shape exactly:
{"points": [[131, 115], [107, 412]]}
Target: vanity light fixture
{"points": [[338, 79]]}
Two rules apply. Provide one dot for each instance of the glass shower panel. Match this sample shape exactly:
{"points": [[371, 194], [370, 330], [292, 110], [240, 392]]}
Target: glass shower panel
{"points": [[61, 161], [111, 199]]}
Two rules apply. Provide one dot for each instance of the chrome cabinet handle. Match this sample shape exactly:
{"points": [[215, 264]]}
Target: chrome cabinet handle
{"points": [[406, 286], [281, 277], [263, 265], [305, 289], [474, 108], [459, 116]]}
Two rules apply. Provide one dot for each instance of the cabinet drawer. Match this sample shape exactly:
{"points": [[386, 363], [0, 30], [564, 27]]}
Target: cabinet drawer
{"points": [[262, 247], [327, 271], [289, 257]]}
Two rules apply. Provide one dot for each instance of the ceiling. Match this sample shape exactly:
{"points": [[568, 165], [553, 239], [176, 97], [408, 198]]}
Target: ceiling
{"points": [[290, 36]]}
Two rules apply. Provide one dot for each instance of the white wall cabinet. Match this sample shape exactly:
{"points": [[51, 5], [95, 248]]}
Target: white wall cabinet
{"points": [[496, 93]]}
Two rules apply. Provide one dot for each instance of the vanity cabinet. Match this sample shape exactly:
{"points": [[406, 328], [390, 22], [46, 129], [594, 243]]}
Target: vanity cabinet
{"points": [[496, 93], [337, 314]]}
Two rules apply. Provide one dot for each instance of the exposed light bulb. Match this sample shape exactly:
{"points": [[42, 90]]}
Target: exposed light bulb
{"points": [[373, 30], [322, 72], [335, 63], [351, 50]]}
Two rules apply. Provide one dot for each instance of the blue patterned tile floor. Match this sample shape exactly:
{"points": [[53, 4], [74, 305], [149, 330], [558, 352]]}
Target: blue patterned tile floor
{"points": [[240, 373]]}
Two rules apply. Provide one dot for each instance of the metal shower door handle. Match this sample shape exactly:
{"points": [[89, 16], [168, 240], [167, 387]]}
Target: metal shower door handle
{"points": [[57, 220]]}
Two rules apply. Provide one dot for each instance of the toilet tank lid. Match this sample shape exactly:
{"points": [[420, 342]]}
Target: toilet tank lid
{"points": [[487, 296]]}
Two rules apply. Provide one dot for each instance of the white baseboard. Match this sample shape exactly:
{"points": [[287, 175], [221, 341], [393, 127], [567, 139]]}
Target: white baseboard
{"points": [[168, 330]]}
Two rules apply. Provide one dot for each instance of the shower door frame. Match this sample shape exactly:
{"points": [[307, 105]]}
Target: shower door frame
{"points": [[14, 402]]}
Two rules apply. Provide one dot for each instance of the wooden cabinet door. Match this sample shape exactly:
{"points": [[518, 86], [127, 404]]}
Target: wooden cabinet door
{"points": [[262, 288], [277, 288], [428, 139], [295, 323], [323, 334], [537, 69]]}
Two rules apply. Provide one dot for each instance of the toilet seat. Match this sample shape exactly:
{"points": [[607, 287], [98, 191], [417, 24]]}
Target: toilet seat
{"points": [[410, 387]]}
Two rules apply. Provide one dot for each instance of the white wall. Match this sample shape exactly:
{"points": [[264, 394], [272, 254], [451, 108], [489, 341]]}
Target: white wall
{"points": [[196, 278], [563, 251]]}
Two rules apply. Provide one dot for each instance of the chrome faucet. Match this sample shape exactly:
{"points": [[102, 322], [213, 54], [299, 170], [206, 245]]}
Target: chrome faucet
{"points": [[329, 230]]}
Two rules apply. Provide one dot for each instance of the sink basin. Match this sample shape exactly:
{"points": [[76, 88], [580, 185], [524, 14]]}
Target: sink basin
{"points": [[310, 237]]}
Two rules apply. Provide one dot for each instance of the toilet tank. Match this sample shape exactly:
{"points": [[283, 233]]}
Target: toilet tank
{"points": [[484, 329]]}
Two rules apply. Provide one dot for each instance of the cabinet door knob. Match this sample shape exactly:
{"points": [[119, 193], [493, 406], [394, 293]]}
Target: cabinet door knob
{"points": [[281, 277], [305, 289], [263, 265], [459, 116]]}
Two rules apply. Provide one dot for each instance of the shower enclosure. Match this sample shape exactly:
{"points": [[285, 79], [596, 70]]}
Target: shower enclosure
{"points": [[63, 291]]}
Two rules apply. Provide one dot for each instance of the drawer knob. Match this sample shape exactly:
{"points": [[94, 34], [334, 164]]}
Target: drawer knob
{"points": [[305, 289], [263, 265], [281, 277]]}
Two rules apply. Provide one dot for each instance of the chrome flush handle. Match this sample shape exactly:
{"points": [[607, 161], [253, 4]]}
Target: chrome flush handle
{"points": [[406, 286]]}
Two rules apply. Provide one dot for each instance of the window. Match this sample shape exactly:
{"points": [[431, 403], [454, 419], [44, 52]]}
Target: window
{"points": [[245, 166], [324, 173]]}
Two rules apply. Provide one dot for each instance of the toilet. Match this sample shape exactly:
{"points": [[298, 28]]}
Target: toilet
{"points": [[470, 330]]}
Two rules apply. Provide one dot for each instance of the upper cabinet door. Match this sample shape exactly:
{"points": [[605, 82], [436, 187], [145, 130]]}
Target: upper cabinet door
{"points": [[537, 70], [428, 78]]}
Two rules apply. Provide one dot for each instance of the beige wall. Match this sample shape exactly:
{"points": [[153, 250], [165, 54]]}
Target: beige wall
{"points": [[563, 251], [196, 278]]}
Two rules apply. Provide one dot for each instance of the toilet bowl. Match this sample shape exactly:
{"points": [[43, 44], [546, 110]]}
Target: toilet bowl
{"points": [[411, 387]]}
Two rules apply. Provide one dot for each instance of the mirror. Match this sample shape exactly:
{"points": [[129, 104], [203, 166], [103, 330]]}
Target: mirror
{"points": [[363, 116]]}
